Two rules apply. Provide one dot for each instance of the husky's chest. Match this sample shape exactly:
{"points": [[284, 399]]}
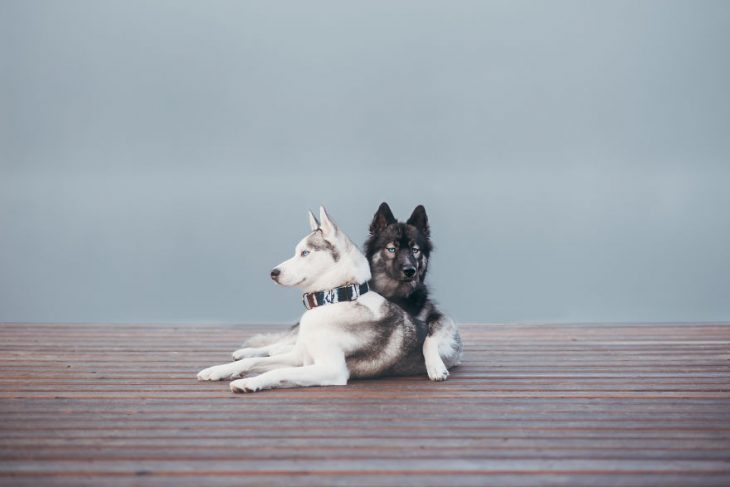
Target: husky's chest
{"points": [[343, 325]]}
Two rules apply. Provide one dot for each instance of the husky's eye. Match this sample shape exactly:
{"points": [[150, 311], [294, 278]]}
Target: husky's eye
{"points": [[305, 253], [390, 249], [415, 250]]}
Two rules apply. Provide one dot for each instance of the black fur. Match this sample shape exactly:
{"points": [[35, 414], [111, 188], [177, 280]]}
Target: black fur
{"points": [[386, 267], [414, 314], [360, 362]]}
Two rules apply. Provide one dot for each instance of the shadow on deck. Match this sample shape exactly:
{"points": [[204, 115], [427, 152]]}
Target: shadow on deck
{"points": [[532, 405]]}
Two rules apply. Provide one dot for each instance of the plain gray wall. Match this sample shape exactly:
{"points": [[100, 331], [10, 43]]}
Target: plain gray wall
{"points": [[158, 158]]}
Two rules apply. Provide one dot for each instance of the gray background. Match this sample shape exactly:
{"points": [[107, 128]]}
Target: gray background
{"points": [[158, 158]]}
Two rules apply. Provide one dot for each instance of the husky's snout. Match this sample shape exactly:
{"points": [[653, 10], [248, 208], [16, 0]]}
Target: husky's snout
{"points": [[409, 272]]}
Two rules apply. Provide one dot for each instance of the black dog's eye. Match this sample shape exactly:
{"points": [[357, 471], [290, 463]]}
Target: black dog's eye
{"points": [[415, 250], [305, 253], [390, 249]]}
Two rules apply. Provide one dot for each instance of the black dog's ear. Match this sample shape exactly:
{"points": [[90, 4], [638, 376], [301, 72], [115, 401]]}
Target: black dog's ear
{"points": [[419, 220], [383, 217]]}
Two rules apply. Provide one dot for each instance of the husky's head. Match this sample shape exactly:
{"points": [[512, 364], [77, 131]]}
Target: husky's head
{"points": [[398, 252], [324, 259]]}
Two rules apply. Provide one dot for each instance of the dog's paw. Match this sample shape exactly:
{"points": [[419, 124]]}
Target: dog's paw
{"points": [[245, 385], [218, 372], [438, 373], [247, 353]]}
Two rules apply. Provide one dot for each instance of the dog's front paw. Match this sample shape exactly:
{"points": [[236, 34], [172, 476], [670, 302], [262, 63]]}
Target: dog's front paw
{"points": [[219, 372], [438, 373], [245, 385]]}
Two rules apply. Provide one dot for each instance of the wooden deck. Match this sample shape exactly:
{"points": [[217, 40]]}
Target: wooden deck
{"points": [[532, 405]]}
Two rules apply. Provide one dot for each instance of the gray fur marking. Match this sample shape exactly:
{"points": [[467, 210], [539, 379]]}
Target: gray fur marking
{"points": [[318, 242]]}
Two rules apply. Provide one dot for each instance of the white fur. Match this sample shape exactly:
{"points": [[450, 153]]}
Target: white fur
{"points": [[318, 356], [284, 345], [435, 366], [315, 272], [441, 350], [313, 223]]}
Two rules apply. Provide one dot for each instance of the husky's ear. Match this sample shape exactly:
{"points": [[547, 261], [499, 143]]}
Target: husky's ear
{"points": [[329, 228], [383, 217], [313, 223], [419, 220]]}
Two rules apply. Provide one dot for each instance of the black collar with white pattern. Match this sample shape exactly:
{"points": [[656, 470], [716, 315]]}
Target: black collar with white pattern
{"points": [[337, 295]]}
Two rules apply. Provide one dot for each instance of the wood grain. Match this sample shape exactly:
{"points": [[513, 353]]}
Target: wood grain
{"points": [[579, 404]]}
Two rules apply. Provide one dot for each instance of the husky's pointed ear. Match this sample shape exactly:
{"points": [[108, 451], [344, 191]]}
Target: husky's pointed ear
{"points": [[383, 217], [313, 223], [328, 227], [419, 220]]}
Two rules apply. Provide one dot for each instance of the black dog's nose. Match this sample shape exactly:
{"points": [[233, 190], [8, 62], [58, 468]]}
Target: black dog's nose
{"points": [[275, 273], [409, 271]]}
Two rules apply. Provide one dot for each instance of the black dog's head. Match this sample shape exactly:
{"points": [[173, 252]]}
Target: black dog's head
{"points": [[398, 252]]}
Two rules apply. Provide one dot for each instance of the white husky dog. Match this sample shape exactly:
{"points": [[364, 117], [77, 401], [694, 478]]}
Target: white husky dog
{"points": [[347, 330]]}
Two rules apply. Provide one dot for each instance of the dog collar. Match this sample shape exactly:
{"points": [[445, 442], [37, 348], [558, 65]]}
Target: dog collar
{"points": [[337, 295]]}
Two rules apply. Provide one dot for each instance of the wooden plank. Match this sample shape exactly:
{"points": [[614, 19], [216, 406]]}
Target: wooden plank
{"points": [[598, 404]]}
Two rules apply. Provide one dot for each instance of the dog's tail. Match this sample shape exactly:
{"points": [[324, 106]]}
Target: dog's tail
{"points": [[266, 339]]}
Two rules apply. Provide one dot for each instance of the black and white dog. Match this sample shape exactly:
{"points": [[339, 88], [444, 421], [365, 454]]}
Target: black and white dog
{"points": [[398, 255], [346, 331]]}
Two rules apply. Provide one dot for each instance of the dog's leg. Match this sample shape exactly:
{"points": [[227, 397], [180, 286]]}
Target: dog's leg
{"points": [[435, 366], [250, 352], [307, 376], [236, 369], [283, 345], [442, 348]]}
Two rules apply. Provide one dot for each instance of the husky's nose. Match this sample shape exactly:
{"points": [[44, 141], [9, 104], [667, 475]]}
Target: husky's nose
{"points": [[409, 271], [275, 273]]}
